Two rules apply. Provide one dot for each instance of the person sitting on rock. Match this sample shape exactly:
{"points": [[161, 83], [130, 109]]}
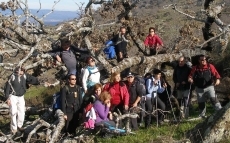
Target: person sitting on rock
{"points": [[120, 41], [102, 107], [66, 54], [154, 44]]}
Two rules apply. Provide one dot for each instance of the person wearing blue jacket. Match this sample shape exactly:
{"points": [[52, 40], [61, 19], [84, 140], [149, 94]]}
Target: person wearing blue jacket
{"points": [[109, 50], [153, 87]]}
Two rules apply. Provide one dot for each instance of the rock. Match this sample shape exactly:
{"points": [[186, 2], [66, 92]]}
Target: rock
{"points": [[214, 128]]}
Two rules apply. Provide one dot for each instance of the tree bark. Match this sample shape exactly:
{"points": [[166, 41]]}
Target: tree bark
{"points": [[213, 129], [60, 115]]}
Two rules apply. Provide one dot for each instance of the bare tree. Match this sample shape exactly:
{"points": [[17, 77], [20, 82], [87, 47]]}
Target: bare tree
{"points": [[23, 42]]}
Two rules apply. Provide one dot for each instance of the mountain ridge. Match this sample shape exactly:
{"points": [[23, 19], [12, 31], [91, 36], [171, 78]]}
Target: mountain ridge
{"points": [[54, 18]]}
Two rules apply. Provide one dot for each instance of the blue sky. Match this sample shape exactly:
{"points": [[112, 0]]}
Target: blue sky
{"points": [[65, 5]]}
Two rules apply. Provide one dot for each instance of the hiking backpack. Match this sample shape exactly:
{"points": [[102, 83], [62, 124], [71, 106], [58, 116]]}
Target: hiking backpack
{"points": [[141, 81], [9, 80], [57, 99], [109, 50], [89, 116], [90, 73], [204, 78]]}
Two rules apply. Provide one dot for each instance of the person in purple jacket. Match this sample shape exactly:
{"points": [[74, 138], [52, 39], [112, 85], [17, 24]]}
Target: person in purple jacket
{"points": [[101, 107]]}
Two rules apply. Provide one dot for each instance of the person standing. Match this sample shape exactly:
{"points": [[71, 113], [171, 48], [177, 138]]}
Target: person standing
{"points": [[153, 41], [136, 92], [71, 101], [120, 41], [15, 90], [182, 86], [153, 87], [205, 77], [91, 76]]}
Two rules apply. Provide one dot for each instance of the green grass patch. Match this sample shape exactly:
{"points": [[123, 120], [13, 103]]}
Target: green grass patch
{"points": [[40, 95], [166, 132]]}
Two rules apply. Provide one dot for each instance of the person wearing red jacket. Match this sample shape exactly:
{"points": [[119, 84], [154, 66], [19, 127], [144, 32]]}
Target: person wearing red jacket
{"points": [[119, 93], [155, 44], [205, 77], [153, 41]]}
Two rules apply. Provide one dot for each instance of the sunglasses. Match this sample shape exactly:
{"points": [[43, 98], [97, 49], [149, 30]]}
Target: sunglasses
{"points": [[92, 60], [73, 79], [151, 31]]}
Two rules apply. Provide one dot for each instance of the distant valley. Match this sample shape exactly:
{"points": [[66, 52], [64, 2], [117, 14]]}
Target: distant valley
{"points": [[52, 19]]}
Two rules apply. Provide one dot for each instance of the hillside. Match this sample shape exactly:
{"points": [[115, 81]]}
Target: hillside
{"points": [[180, 34]]}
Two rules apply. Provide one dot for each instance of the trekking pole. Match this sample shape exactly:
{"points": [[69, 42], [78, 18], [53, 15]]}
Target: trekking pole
{"points": [[186, 104], [170, 104], [156, 110]]}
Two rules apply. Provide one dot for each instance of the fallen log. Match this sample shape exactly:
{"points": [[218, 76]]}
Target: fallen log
{"points": [[40, 124], [213, 129], [153, 60], [59, 127]]}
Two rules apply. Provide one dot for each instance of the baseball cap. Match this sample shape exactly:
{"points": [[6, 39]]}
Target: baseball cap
{"points": [[129, 74]]}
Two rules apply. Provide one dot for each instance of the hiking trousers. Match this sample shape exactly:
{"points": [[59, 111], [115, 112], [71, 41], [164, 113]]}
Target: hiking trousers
{"points": [[207, 93], [72, 122], [17, 111], [182, 97], [149, 107]]}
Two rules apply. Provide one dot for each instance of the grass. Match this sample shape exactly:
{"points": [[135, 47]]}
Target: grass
{"points": [[40, 95], [165, 133]]}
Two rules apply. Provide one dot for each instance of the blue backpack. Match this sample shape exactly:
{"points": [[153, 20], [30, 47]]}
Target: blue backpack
{"points": [[56, 101], [109, 50]]}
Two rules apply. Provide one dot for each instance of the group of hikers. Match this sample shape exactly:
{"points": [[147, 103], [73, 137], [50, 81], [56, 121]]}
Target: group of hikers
{"points": [[87, 101]]}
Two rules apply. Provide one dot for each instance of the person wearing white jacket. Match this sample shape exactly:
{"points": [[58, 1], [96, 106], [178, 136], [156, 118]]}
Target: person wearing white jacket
{"points": [[91, 75]]}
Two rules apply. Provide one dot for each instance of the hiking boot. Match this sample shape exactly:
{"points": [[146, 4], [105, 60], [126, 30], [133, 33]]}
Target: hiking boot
{"points": [[17, 135], [13, 132], [21, 129]]}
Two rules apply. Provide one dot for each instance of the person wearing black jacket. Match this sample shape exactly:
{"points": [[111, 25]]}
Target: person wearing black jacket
{"points": [[120, 41], [67, 54], [71, 100], [15, 89], [136, 92], [182, 86]]}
